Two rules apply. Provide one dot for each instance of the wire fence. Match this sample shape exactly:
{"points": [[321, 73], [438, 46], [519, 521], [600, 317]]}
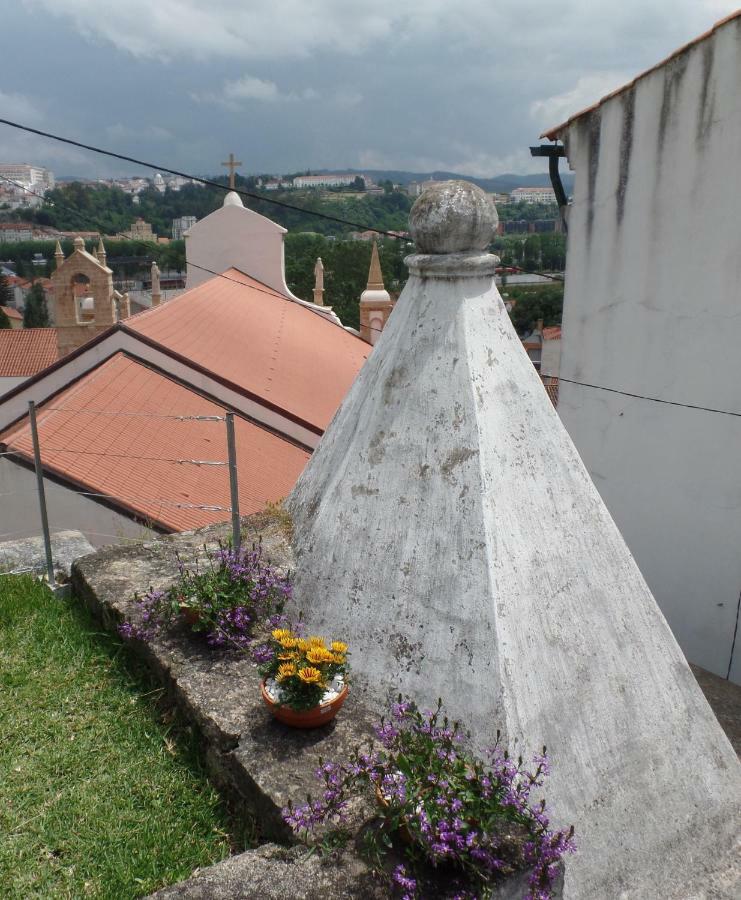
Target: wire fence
{"points": [[142, 507]]}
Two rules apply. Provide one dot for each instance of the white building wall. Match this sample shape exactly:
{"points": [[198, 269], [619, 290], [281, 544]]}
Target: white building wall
{"points": [[653, 307], [7, 384], [66, 509]]}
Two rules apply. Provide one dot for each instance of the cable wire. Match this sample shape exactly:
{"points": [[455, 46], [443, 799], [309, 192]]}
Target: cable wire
{"points": [[206, 181], [599, 387]]}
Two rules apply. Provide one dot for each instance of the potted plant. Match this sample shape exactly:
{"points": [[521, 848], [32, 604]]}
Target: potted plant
{"points": [[222, 601], [304, 679], [464, 822]]}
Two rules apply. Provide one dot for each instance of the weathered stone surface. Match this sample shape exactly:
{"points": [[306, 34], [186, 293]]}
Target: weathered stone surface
{"points": [[277, 873], [447, 522], [29, 554], [453, 217]]}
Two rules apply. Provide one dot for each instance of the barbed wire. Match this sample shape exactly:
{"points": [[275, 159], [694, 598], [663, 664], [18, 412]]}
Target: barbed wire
{"points": [[144, 415], [194, 462]]}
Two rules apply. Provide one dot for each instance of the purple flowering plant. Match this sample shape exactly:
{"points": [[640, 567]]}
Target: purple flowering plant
{"points": [[224, 601], [450, 809]]}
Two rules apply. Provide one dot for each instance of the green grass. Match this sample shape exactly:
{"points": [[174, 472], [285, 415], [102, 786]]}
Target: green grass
{"points": [[99, 796]]}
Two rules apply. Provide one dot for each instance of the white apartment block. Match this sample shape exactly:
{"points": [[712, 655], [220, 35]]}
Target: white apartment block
{"points": [[35, 178], [318, 181], [533, 195]]}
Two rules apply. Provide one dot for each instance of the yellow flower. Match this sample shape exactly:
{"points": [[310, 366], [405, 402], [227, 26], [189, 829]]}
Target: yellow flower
{"points": [[315, 641], [319, 655], [310, 675], [339, 647], [288, 643], [302, 644], [338, 658], [286, 670], [281, 633], [291, 654]]}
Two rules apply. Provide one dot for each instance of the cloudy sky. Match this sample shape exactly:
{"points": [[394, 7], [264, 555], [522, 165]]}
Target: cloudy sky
{"points": [[463, 85]]}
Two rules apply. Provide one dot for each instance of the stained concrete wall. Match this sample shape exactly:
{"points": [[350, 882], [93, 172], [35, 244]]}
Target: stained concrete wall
{"points": [[653, 307], [20, 518]]}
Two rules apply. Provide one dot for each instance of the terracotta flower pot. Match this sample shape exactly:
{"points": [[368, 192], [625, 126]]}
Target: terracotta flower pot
{"points": [[309, 718], [404, 833], [190, 616]]}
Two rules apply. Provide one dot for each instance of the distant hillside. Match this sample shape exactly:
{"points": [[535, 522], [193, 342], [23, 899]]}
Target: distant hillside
{"points": [[503, 184]]}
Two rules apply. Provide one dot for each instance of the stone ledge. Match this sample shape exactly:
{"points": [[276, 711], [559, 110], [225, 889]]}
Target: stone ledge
{"points": [[258, 762], [264, 762], [275, 873]]}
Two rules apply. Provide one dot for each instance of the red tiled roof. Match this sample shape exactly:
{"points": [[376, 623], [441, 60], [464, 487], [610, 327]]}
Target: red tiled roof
{"points": [[551, 388], [552, 333], [261, 341], [11, 313], [553, 133], [26, 351], [110, 434]]}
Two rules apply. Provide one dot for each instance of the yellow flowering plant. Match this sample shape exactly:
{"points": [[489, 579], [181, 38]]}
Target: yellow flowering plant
{"points": [[301, 670]]}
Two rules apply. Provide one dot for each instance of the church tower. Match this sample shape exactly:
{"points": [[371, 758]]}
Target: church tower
{"points": [[83, 295], [375, 302]]}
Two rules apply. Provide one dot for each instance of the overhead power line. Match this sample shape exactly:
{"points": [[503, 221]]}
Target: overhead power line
{"points": [[600, 387], [206, 181]]}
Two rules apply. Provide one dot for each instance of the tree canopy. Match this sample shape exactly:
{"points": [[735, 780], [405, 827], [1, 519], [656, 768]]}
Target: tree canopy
{"points": [[35, 312]]}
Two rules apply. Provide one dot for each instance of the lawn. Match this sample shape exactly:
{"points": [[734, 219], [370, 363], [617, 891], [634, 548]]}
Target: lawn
{"points": [[99, 796]]}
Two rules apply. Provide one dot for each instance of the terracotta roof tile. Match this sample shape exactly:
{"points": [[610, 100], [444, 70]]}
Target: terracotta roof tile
{"points": [[260, 340], [110, 434], [11, 313], [26, 351], [552, 333]]}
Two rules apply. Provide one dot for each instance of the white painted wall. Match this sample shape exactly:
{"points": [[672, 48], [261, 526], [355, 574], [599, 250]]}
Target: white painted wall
{"points": [[235, 236], [20, 517], [7, 384], [653, 307]]}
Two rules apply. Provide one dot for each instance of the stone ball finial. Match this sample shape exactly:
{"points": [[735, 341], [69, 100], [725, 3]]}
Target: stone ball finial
{"points": [[453, 217], [79, 243]]}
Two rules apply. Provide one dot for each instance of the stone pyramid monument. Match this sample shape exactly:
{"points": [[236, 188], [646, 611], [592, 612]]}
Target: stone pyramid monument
{"points": [[447, 528]]}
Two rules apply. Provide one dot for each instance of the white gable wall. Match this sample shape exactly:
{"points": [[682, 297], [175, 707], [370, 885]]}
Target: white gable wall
{"points": [[66, 508], [234, 236], [653, 307]]}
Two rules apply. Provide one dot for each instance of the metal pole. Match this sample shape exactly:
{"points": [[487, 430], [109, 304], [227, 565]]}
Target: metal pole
{"points": [[42, 495], [231, 445]]}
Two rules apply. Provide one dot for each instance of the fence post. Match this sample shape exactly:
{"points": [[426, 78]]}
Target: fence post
{"points": [[233, 484], [42, 494]]}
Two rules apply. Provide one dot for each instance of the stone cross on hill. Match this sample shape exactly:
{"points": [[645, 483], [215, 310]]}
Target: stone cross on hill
{"points": [[447, 528], [232, 164]]}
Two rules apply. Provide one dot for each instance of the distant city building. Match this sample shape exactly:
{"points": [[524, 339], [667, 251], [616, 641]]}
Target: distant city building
{"points": [[181, 225], [275, 184], [13, 232], [159, 183], [500, 199], [415, 188], [35, 178], [141, 231], [329, 180], [533, 195]]}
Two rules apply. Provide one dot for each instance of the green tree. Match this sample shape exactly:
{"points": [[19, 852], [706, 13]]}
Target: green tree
{"points": [[534, 303], [6, 292], [4, 320], [35, 312]]}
